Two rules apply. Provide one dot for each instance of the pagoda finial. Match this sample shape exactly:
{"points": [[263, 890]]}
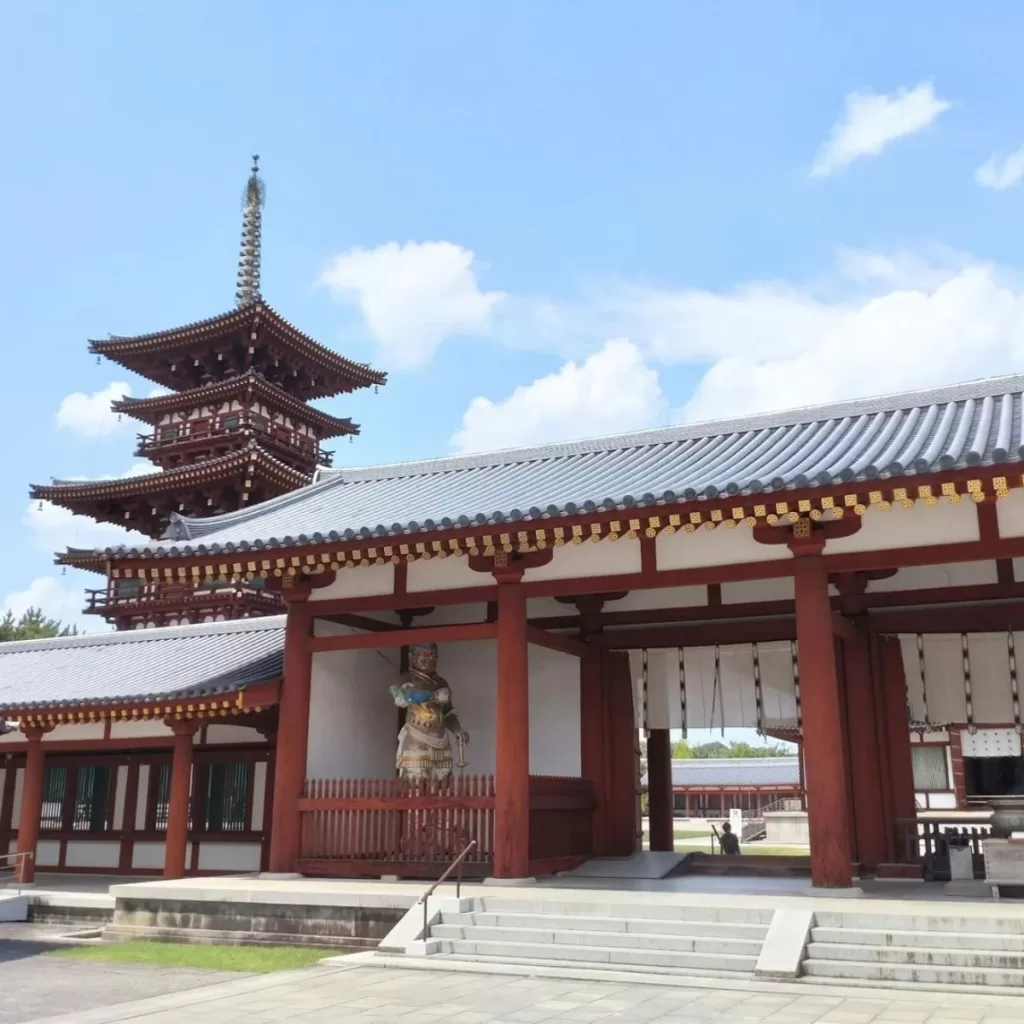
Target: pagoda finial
{"points": [[252, 227]]}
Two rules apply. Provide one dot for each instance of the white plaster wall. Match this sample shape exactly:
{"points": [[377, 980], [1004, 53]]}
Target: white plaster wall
{"points": [[352, 720], [125, 730], [86, 853], [85, 731], [605, 558], [450, 614], [554, 713], [942, 523], [48, 853], [933, 577], [662, 597], [359, 581], [450, 573], [1010, 514], [229, 857], [543, 607], [778, 589], [721, 546], [149, 856], [259, 792], [354, 723], [15, 736], [140, 807], [233, 734]]}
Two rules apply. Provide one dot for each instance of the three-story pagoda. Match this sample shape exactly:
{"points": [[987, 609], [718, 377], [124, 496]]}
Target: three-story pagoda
{"points": [[234, 429]]}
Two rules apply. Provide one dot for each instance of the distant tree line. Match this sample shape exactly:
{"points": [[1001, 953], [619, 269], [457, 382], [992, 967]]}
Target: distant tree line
{"points": [[737, 748], [32, 625]]}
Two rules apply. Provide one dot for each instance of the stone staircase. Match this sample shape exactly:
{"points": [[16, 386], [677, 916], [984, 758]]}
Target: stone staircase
{"points": [[648, 937], [940, 950]]}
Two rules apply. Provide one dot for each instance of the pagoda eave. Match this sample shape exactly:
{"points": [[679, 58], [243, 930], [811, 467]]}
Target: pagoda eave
{"points": [[259, 324], [150, 410]]}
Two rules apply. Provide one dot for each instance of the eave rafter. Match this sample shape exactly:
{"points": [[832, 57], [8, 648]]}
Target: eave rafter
{"points": [[265, 326], [317, 557], [251, 700], [150, 410]]}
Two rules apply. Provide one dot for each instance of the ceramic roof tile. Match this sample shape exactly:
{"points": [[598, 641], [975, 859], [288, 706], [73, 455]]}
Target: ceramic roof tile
{"points": [[977, 423], [735, 771], [147, 664]]}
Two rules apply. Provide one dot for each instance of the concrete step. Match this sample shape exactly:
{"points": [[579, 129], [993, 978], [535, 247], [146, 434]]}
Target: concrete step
{"points": [[610, 939], [603, 955], [635, 925], [914, 973], [928, 957], [990, 924], [641, 911], [585, 965], [1009, 943]]}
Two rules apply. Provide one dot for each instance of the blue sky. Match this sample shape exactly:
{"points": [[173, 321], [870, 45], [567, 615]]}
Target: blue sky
{"points": [[544, 219]]}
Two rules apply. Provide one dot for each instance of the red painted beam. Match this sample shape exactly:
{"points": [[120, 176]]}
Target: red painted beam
{"points": [[699, 635], [555, 642], [404, 637], [994, 618]]}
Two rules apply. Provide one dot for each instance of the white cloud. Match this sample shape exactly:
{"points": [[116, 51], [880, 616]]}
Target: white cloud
{"points": [[412, 296], [54, 599], [53, 529], [1000, 174], [90, 415], [872, 120], [967, 325], [612, 391]]}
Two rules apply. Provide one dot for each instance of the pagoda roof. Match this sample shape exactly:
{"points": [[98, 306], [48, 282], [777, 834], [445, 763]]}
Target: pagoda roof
{"points": [[135, 352], [149, 410], [252, 458], [88, 559], [912, 433], [169, 663]]}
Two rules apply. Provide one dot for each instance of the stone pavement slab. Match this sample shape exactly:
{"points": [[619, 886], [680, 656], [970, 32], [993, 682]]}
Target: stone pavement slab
{"points": [[33, 985], [360, 994]]}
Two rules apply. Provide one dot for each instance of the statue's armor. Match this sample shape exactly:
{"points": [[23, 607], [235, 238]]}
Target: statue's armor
{"points": [[424, 743]]}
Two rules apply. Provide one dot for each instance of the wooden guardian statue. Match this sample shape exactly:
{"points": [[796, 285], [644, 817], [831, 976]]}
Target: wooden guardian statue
{"points": [[425, 741]]}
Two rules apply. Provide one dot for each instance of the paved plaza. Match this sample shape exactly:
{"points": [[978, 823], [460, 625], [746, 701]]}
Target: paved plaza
{"points": [[360, 994]]}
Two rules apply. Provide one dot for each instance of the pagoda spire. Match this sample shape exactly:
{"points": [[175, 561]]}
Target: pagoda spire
{"points": [[248, 290]]}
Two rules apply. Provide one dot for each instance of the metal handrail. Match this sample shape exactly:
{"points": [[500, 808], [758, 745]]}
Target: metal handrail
{"points": [[23, 854], [457, 863]]}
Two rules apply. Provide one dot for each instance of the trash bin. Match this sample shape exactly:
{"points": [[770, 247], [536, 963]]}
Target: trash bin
{"points": [[961, 859]]}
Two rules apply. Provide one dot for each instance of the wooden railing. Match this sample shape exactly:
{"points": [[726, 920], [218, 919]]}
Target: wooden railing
{"points": [[561, 821], [390, 827], [926, 842]]}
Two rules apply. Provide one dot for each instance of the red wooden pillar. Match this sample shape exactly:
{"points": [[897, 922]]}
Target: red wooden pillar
{"points": [[292, 737], [176, 843], [620, 763], [897, 729], [827, 785], [512, 747], [659, 789], [593, 758], [31, 803], [871, 823]]}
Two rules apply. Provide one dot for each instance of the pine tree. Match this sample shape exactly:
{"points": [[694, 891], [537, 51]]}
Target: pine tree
{"points": [[33, 625]]}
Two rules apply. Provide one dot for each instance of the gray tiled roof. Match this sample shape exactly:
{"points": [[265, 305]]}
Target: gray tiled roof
{"points": [[736, 771], [977, 423], [174, 661]]}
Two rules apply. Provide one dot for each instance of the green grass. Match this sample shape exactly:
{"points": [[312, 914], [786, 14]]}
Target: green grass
{"points": [[251, 959]]}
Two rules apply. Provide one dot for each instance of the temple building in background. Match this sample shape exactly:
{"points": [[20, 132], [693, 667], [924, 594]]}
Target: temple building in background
{"points": [[229, 427]]}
